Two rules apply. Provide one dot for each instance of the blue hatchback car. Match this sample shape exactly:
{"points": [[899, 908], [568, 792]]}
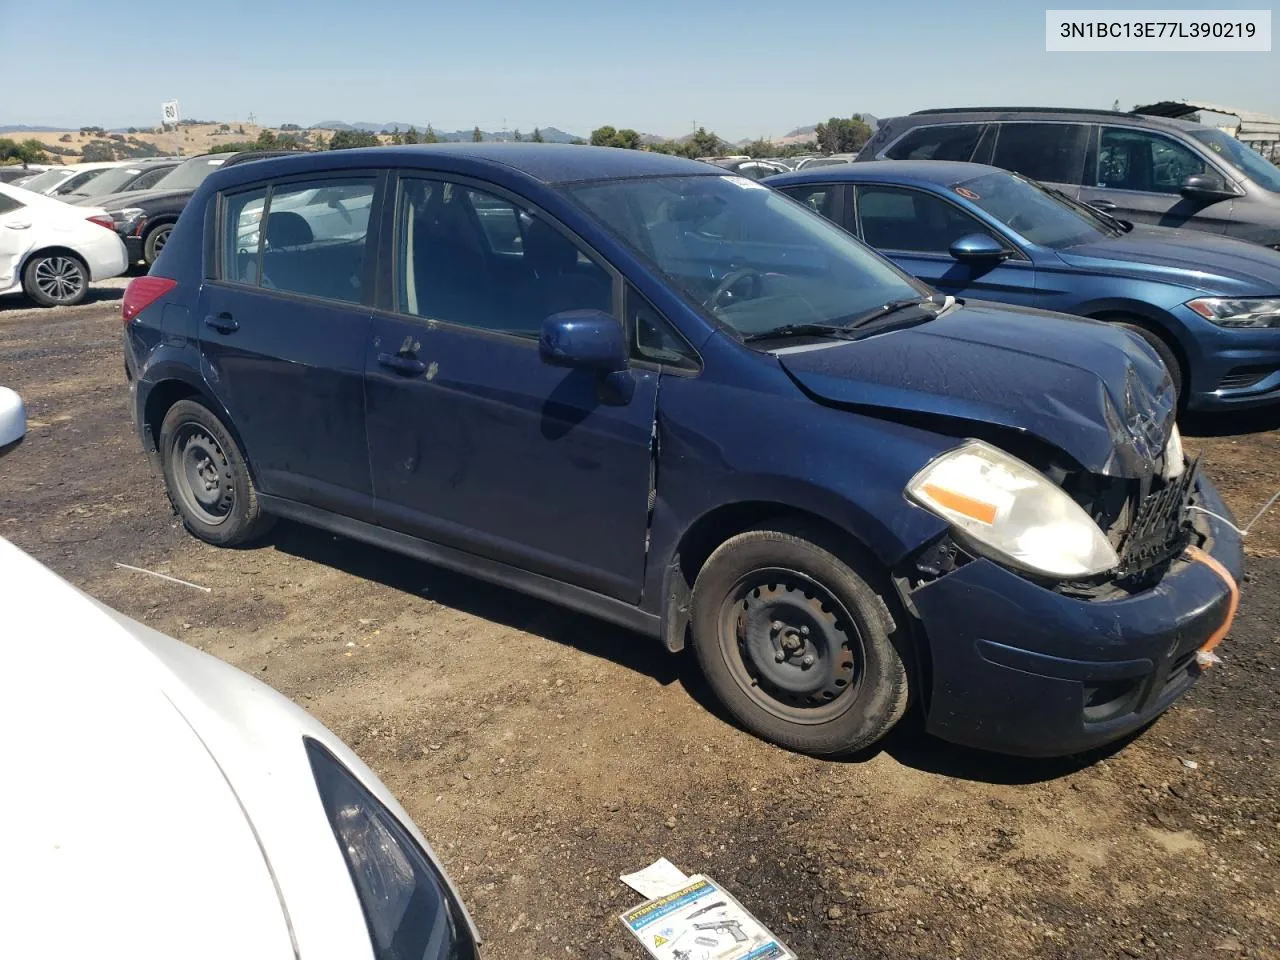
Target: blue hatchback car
{"points": [[675, 399], [1209, 305]]}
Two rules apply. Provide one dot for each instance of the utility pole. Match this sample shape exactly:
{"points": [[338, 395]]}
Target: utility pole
{"points": [[252, 117]]}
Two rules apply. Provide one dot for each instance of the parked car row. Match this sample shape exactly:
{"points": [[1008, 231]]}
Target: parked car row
{"points": [[1155, 170], [600, 376]]}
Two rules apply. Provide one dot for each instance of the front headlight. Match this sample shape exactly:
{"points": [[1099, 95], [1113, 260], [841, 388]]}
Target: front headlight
{"points": [[128, 218], [1239, 312], [1014, 511], [407, 904]]}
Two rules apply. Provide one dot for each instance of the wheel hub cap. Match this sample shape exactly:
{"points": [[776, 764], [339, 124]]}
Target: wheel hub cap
{"points": [[59, 278]]}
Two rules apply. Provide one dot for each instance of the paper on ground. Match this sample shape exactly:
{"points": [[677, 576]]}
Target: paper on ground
{"points": [[701, 921], [656, 880]]}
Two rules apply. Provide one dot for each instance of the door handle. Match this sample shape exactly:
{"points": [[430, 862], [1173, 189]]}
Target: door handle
{"points": [[409, 366], [222, 322], [1101, 204]]}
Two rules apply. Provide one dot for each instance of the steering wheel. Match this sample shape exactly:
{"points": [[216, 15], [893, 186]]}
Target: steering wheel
{"points": [[731, 280]]}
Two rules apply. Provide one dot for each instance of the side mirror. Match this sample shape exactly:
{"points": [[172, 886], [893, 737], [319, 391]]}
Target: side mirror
{"points": [[13, 420], [585, 339], [978, 246], [1205, 186]]}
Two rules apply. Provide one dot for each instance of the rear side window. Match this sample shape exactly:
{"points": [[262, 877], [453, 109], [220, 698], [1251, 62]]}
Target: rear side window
{"points": [[8, 204], [302, 237], [895, 218], [1051, 152], [953, 141], [149, 179]]}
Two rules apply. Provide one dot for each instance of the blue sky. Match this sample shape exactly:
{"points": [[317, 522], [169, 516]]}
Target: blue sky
{"points": [[741, 68]]}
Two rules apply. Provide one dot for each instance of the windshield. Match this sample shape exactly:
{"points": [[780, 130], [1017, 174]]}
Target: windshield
{"points": [[108, 181], [43, 181], [750, 257], [189, 175], [1245, 159], [1031, 210]]}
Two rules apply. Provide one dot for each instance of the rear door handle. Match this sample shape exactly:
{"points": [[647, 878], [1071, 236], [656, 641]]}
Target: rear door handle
{"points": [[1101, 204], [409, 366], [222, 322]]}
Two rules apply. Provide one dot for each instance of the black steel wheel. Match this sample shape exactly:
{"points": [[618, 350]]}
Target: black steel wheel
{"points": [[207, 478], [55, 279], [793, 630], [791, 645]]}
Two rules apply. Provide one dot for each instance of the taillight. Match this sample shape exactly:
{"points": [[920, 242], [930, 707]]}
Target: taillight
{"points": [[142, 292], [103, 220]]}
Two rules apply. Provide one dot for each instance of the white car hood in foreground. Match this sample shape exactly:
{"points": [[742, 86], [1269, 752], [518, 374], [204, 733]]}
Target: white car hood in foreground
{"points": [[158, 803]]}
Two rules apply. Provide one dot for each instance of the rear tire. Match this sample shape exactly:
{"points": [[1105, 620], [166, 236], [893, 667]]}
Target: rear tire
{"points": [[155, 242], [1158, 344], [797, 643], [55, 279], [207, 478]]}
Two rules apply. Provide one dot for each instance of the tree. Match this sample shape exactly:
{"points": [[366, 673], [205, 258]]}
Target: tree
{"points": [[704, 143], [430, 136], [346, 139], [760, 148], [840, 135], [411, 136], [476, 135], [607, 136], [519, 136], [28, 151], [537, 136], [578, 141]]}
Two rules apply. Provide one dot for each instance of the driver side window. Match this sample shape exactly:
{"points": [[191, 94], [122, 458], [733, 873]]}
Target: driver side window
{"points": [[896, 218], [1146, 162]]}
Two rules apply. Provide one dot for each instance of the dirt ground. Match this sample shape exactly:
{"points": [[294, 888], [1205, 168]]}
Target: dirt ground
{"points": [[544, 753]]}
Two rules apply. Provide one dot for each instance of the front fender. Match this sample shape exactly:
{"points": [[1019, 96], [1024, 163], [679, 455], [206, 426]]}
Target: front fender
{"points": [[775, 449]]}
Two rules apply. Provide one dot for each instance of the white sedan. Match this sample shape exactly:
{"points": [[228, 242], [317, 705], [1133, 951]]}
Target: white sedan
{"points": [[178, 807], [56, 181], [52, 250]]}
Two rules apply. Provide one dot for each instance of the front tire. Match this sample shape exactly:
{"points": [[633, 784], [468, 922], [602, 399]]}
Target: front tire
{"points": [[155, 242], [55, 279], [797, 643], [207, 478], [1170, 359]]}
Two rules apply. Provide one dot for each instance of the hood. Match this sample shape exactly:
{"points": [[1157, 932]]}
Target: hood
{"points": [[122, 811], [118, 201], [1197, 260], [1094, 391]]}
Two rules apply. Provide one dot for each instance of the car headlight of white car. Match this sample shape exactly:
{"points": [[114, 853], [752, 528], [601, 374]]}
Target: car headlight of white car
{"points": [[1239, 311], [407, 904], [1008, 509]]}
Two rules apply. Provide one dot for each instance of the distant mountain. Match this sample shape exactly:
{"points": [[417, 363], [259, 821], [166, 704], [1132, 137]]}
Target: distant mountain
{"points": [[549, 134], [27, 128]]}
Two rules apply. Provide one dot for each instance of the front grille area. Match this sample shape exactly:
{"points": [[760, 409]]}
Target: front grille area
{"points": [[1161, 528], [1240, 377]]}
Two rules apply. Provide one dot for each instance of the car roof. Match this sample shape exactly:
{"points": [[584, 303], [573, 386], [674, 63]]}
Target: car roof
{"points": [[546, 162], [1050, 113], [937, 172]]}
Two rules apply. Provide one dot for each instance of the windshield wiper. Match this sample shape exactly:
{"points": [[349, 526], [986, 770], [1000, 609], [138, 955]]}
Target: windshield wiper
{"points": [[885, 309], [799, 330], [1115, 223]]}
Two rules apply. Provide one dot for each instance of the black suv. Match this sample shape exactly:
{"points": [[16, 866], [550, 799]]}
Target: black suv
{"points": [[145, 218], [1145, 169]]}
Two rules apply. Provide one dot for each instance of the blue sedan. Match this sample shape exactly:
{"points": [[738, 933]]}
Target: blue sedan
{"points": [[1210, 306]]}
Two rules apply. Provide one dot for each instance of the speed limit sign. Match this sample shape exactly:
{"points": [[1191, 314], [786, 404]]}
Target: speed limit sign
{"points": [[169, 112]]}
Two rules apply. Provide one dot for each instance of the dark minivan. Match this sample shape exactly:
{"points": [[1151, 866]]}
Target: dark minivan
{"points": [[1144, 169], [670, 397]]}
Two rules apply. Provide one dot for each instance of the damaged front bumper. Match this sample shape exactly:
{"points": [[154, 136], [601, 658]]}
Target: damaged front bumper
{"points": [[1019, 668]]}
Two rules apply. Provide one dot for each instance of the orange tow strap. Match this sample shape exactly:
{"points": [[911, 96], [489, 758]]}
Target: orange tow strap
{"points": [[1198, 555]]}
